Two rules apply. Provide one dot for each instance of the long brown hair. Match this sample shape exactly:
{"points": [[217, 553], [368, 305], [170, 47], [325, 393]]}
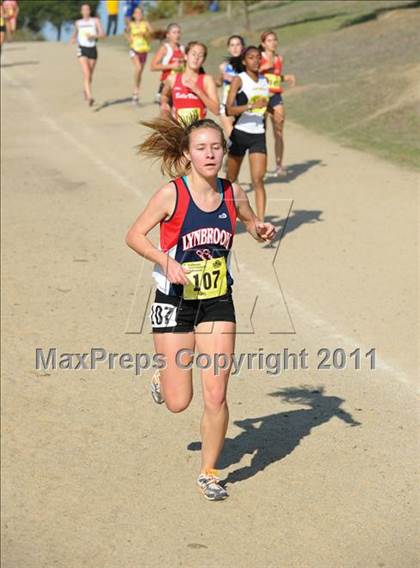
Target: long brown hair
{"points": [[170, 140]]}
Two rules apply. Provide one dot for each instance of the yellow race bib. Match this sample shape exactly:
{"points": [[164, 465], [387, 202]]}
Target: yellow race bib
{"points": [[256, 98], [179, 69], [207, 279], [273, 81], [188, 115]]}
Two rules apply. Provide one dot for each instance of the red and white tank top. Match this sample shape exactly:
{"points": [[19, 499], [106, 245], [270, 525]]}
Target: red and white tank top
{"points": [[171, 56], [187, 106], [202, 241], [273, 75]]}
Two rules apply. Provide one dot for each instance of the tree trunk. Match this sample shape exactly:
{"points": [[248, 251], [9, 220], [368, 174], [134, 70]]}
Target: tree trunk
{"points": [[247, 18], [180, 8], [59, 32], [229, 9]]}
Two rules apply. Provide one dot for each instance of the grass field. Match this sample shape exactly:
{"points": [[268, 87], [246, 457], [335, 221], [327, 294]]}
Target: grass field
{"points": [[357, 66]]}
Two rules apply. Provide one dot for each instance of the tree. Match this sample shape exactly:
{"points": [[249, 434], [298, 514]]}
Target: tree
{"points": [[34, 14], [246, 4]]}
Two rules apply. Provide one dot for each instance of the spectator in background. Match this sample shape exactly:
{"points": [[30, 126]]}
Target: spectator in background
{"points": [[112, 9], [130, 6], [214, 6], [11, 12]]}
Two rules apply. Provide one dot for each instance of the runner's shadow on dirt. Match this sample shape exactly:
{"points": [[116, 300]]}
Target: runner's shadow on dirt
{"points": [[114, 102], [271, 438], [19, 63], [284, 226], [293, 172]]}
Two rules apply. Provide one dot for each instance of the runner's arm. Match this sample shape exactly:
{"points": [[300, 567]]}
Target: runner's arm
{"points": [[165, 95], [156, 64], [219, 78], [149, 30], [74, 34], [258, 229], [235, 110], [160, 206], [99, 29], [290, 79], [209, 96]]}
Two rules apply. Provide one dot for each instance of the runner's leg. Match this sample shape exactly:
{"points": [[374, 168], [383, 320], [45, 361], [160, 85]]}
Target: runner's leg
{"points": [[227, 124], [92, 65], [175, 382], [233, 167], [214, 338], [277, 119], [84, 62], [258, 167]]}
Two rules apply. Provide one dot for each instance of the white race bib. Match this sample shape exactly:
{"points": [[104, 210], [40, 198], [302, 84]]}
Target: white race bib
{"points": [[163, 315]]}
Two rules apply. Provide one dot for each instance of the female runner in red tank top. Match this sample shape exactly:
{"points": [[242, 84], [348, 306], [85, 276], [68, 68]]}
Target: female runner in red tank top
{"points": [[193, 91], [272, 67], [193, 307]]}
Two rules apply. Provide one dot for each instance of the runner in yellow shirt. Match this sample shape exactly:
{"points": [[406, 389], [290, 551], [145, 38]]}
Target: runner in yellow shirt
{"points": [[138, 34]]}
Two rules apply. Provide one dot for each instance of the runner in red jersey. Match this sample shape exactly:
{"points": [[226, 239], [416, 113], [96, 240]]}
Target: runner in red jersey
{"points": [[193, 307], [186, 105], [192, 91], [170, 57], [272, 67]]}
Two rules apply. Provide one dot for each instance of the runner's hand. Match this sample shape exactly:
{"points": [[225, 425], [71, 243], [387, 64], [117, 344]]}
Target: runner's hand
{"points": [[191, 85], [290, 80], [164, 107], [175, 272], [260, 103], [265, 231]]}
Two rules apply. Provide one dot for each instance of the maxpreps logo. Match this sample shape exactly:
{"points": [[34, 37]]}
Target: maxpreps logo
{"points": [[209, 236]]}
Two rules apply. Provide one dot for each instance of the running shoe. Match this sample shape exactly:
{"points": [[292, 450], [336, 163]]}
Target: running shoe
{"points": [[281, 172], [157, 98], [135, 99], [209, 484], [155, 388]]}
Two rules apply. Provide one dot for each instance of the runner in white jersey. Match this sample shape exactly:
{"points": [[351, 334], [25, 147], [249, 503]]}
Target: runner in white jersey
{"points": [[169, 58], [247, 102], [87, 31]]}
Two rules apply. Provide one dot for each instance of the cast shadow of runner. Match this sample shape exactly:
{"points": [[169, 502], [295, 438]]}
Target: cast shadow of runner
{"points": [[114, 102], [278, 434], [17, 63], [293, 172], [284, 226]]}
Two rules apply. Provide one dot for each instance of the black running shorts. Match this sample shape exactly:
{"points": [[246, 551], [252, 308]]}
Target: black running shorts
{"points": [[89, 52], [275, 100], [172, 314], [242, 141]]}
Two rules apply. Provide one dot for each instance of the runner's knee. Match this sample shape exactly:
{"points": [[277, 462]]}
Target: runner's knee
{"points": [[177, 404], [214, 399]]}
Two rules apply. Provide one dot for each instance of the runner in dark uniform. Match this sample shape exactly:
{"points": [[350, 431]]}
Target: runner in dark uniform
{"points": [[193, 307]]}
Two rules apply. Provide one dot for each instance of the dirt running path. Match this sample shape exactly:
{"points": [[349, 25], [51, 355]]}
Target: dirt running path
{"points": [[320, 463]]}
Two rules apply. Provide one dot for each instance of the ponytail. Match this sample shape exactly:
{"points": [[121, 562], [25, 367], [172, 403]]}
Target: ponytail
{"points": [[170, 140]]}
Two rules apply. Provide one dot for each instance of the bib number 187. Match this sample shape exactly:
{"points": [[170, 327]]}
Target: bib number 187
{"points": [[163, 315]]}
